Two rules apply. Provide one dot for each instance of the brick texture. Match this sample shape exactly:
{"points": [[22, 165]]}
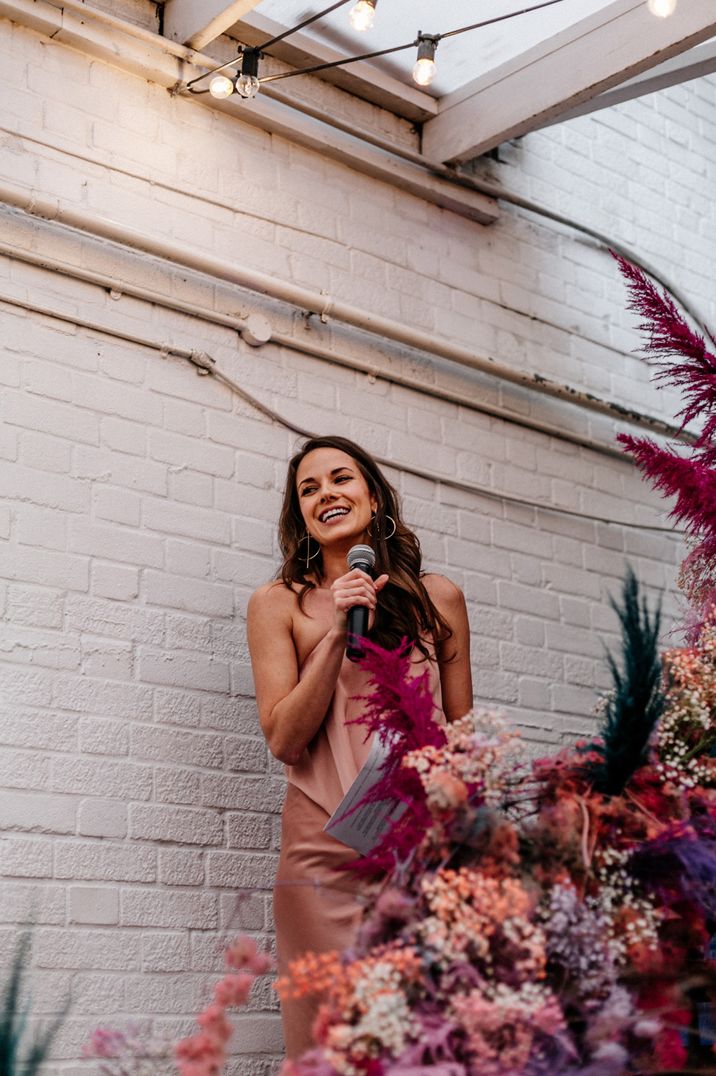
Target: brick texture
{"points": [[138, 501]]}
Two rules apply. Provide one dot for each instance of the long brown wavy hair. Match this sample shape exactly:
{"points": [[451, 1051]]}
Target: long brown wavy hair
{"points": [[405, 610]]}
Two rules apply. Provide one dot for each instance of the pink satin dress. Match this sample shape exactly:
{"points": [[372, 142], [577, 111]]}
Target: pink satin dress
{"points": [[317, 906]]}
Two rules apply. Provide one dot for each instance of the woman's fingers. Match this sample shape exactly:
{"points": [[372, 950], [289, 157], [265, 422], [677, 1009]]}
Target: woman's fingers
{"points": [[348, 598], [357, 588]]}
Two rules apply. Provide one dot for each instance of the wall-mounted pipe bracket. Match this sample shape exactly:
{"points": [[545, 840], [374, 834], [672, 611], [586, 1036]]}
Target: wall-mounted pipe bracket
{"points": [[256, 331], [202, 361]]}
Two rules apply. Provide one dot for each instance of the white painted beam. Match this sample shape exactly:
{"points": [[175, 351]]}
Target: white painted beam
{"points": [[695, 63], [131, 48], [197, 22], [592, 55], [361, 79]]}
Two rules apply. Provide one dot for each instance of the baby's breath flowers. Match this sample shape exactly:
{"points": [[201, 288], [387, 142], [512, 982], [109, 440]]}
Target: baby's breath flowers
{"points": [[687, 731], [630, 918], [476, 917]]}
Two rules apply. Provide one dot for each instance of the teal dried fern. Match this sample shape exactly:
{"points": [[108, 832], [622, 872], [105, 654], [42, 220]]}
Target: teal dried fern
{"points": [[13, 1022], [636, 701]]}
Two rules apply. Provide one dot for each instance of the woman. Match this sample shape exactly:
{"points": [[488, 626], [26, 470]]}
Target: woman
{"points": [[306, 689]]}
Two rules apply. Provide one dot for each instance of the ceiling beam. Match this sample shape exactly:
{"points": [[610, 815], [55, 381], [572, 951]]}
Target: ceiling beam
{"points": [[592, 55], [695, 63], [360, 79], [167, 64], [198, 22]]}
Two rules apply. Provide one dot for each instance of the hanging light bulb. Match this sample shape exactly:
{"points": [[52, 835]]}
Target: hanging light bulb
{"points": [[362, 14], [221, 86], [247, 84], [662, 8], [425, 67]]}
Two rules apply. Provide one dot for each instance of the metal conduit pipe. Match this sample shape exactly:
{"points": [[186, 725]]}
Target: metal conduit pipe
{"points": [[206, 365], [37, 204], [405, 381], [305, 347], [122, 287], [198, 358], [205, 199]]}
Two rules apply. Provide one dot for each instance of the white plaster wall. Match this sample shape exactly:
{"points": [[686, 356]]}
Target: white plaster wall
{"points": [[138, 500]]}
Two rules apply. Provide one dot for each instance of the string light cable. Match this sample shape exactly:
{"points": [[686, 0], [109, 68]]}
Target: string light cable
{"points": [[661, 8], [362, 15], [259, 51], [424, 42], [421, 40]]}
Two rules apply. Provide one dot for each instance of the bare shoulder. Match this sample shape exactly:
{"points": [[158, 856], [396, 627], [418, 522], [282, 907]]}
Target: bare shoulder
{"points": [[453, 652], [273, 598], [445, 594]]}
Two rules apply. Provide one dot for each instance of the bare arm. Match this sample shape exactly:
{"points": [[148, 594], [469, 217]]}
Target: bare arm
{"points": [[454, 654], [291, 711]]}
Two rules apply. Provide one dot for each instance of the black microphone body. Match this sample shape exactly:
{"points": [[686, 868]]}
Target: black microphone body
{"points": [[363, 557]]}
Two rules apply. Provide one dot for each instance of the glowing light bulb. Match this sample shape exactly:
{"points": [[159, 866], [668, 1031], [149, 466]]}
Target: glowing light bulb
{"points": [[362, 15], [425, 67], [221, 86], [424, 71], [247, 85], [662, 8]]}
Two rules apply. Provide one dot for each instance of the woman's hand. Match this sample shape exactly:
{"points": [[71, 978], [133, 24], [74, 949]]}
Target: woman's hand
{"points": [[292, 707], [355, 588]]}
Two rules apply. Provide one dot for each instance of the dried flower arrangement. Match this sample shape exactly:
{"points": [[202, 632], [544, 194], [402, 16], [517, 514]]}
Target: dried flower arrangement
{"points": [[539, 925]]}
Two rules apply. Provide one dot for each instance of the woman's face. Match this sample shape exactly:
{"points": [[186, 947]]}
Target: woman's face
{"points": [[336, 503]]}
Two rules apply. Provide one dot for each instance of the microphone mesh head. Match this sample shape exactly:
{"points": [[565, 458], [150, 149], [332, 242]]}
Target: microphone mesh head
{"points": [[360, 554]]}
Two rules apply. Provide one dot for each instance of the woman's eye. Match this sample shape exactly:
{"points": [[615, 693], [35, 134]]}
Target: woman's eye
{"points": [[343, 478], [307, 490]]}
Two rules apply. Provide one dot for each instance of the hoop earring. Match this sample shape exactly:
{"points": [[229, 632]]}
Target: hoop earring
{"points": [[385, 536], [307, 538]]}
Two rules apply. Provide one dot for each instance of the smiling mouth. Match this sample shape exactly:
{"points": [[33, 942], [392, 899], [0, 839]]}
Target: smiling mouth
{"points": [[332, 513]]}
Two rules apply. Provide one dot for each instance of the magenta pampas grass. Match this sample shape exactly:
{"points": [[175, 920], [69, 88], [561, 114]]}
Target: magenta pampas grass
{"points": [[685, 362], [400, 709], [668, 334], [691, 481]]}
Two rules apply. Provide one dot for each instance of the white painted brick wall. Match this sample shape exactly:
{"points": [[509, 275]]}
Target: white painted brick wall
{"points": [[138, 501]]}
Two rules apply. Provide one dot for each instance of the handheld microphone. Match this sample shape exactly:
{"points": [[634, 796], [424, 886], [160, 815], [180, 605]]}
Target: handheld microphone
{"points": [[363, 557]]}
